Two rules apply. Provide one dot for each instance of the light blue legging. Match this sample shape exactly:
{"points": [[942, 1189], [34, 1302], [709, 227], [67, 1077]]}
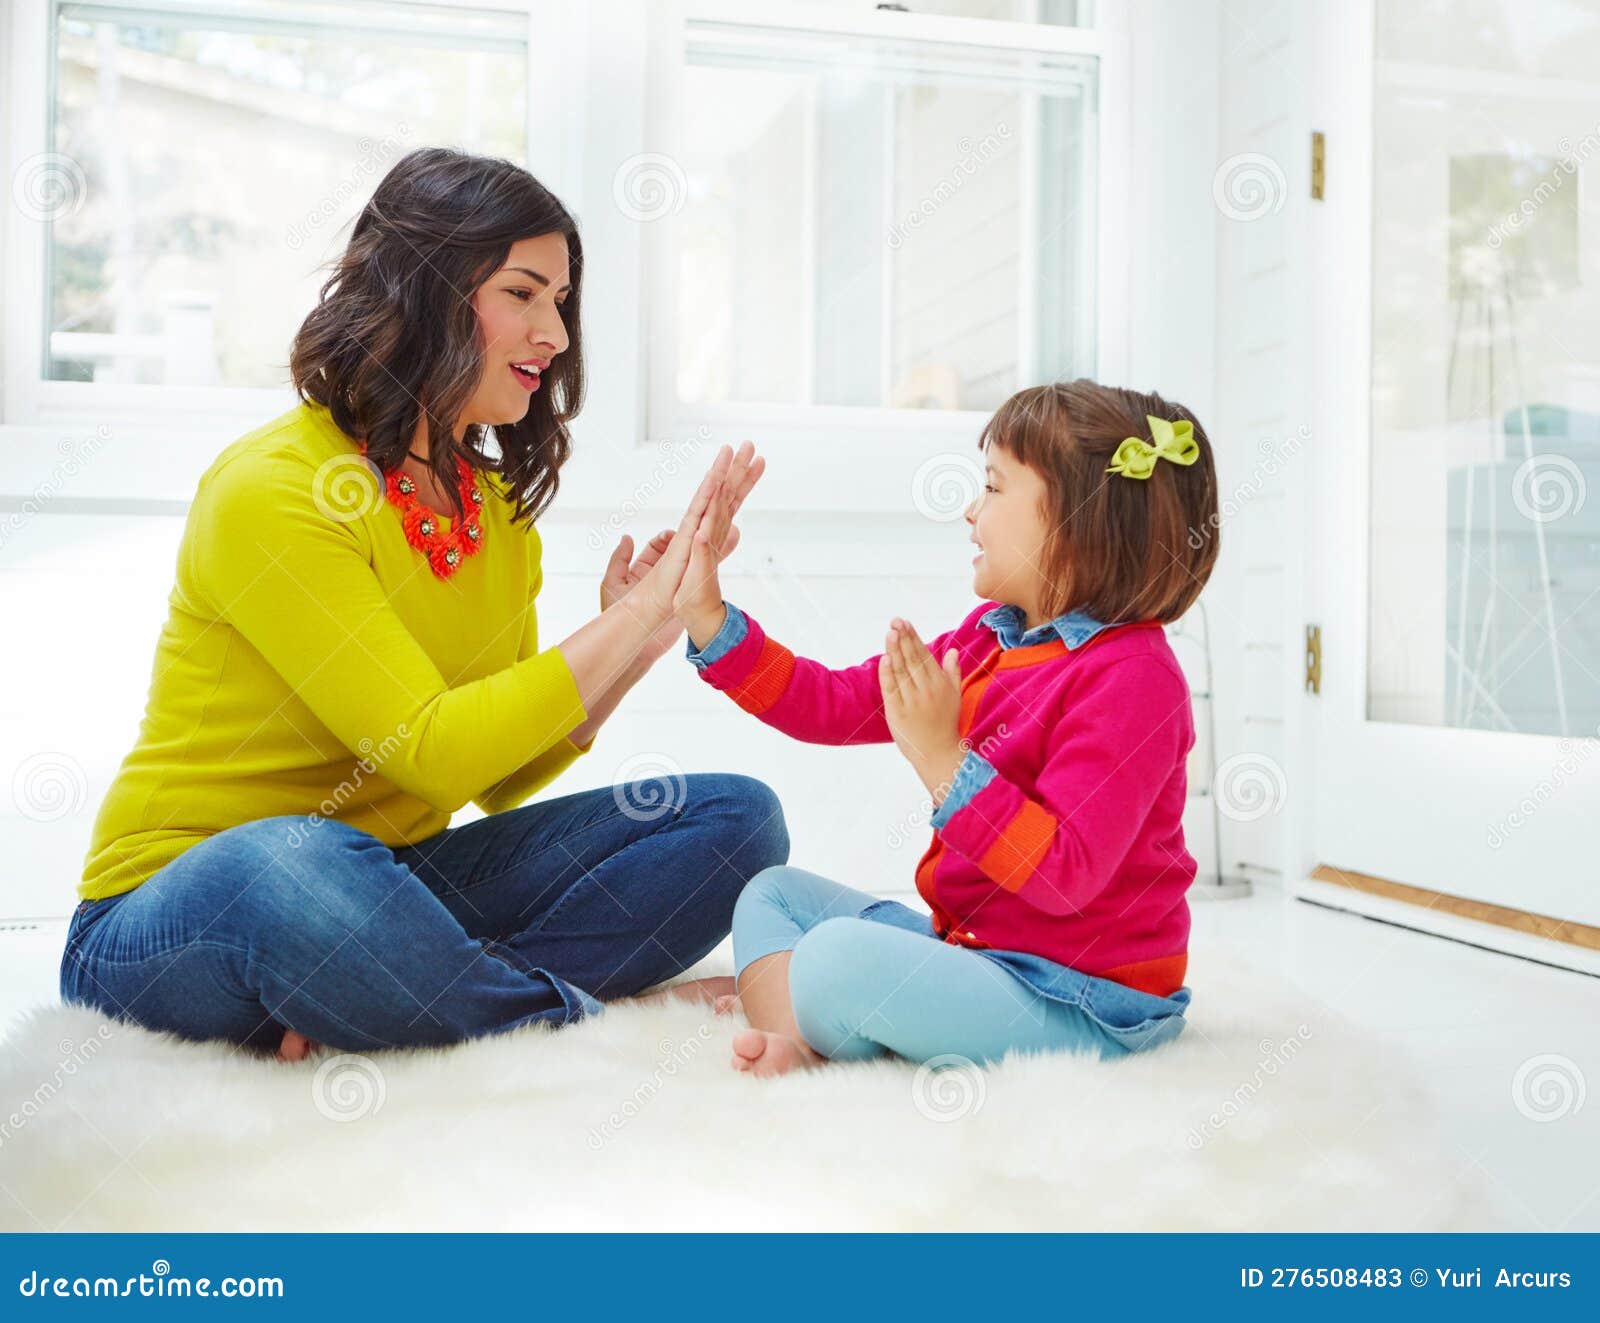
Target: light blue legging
{"points": [[862, 988]]}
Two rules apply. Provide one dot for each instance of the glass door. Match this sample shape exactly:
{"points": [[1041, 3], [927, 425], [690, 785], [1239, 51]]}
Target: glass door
{"points": [[1485, 544], [1457, 332]]}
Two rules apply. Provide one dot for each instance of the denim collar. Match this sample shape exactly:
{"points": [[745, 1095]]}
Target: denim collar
{"points": [[1074, 628]]}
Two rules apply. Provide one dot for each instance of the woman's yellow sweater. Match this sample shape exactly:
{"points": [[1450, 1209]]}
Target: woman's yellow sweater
{"points": [[312, 663]]}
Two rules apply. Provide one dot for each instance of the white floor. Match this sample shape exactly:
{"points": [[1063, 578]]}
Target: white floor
{"points": [[1468, 1019]]}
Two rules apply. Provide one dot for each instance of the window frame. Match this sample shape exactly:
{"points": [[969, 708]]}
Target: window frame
{"points": [[842, 429], [602, 63]]}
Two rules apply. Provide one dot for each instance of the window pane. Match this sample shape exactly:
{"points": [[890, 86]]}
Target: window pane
{"points": [[1058, 13], [881, 223], [1486, 368], [213, 164]]}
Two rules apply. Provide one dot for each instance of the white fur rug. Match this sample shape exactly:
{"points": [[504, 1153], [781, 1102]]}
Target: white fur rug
{"points": [[1267, 1114]]}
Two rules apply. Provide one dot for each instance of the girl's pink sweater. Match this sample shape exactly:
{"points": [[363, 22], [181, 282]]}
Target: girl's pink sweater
{"points": [[1073, 850]]}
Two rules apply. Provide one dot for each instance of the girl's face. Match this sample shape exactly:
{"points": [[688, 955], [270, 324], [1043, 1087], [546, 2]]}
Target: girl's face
{"points": [[1008, 526], [519, 311]]}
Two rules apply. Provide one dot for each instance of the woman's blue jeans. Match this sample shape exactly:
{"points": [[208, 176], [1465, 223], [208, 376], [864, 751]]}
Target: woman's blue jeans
{"points": [[540, 913]]}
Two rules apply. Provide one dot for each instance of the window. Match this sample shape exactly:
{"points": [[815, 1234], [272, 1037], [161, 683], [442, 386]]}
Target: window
{"points": [[872, 212], [204, 160]]}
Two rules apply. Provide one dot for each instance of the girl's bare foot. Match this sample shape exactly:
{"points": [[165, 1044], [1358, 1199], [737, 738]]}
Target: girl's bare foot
{"points": [[727, 1005], [707, 991], [764, 1053], [296, 1047]]}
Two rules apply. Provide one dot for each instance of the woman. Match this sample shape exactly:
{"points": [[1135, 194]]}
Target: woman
{"points": [[352, 653]]}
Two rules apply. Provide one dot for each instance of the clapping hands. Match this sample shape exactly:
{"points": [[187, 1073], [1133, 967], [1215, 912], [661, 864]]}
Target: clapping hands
{"points": [[922, 704], [652, 579], [698, 600]]}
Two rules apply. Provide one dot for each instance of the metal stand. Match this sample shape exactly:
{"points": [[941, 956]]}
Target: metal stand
{"points": [[1215, 887]]}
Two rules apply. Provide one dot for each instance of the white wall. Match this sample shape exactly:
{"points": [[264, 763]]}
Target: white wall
{"points": [[1262, 169]]}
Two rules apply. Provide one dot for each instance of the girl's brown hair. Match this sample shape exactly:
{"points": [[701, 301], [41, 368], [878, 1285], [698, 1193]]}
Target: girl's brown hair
{"points": [[1119, 548], [394, 336]]}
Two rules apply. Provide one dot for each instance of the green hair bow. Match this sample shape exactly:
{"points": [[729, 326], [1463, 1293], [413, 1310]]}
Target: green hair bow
{"points": [[1136, 458]]}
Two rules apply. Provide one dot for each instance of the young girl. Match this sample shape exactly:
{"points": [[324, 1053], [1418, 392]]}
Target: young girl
{"points": [[1050, 728]]}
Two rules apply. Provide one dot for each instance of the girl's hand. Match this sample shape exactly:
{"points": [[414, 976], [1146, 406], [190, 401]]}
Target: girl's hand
{"points": [[744, 471], [922, 703], [652, 596], [698, 601]]}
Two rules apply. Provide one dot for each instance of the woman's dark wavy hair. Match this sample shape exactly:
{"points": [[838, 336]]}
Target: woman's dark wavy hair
{"points": [[394, 334]]}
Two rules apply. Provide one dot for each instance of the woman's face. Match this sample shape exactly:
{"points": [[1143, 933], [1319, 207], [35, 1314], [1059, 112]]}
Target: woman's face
{"points": [[519, 309], [1009, 527]]}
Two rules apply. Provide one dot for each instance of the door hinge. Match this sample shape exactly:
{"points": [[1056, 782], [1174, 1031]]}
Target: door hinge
{"points": [[1313, 659], [1318, 164]]}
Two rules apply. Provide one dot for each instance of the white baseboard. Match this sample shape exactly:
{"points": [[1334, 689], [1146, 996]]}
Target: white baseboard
{"points": [[1439, 923]]}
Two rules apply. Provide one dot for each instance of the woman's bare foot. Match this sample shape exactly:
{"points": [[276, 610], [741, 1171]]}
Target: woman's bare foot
{"points": [[706, 991], [764, 1053], [296, 1047]]}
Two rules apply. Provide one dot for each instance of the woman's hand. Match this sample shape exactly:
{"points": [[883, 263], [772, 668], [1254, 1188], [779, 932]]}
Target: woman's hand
{"points": [[624, 573], [922, 703]]}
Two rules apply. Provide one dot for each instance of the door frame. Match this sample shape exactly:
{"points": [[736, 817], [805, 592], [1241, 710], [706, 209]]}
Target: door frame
{"points": [[1411, 804]]}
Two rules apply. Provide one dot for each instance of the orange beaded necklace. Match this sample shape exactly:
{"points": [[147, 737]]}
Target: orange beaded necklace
{"points": [[444, 551]]}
